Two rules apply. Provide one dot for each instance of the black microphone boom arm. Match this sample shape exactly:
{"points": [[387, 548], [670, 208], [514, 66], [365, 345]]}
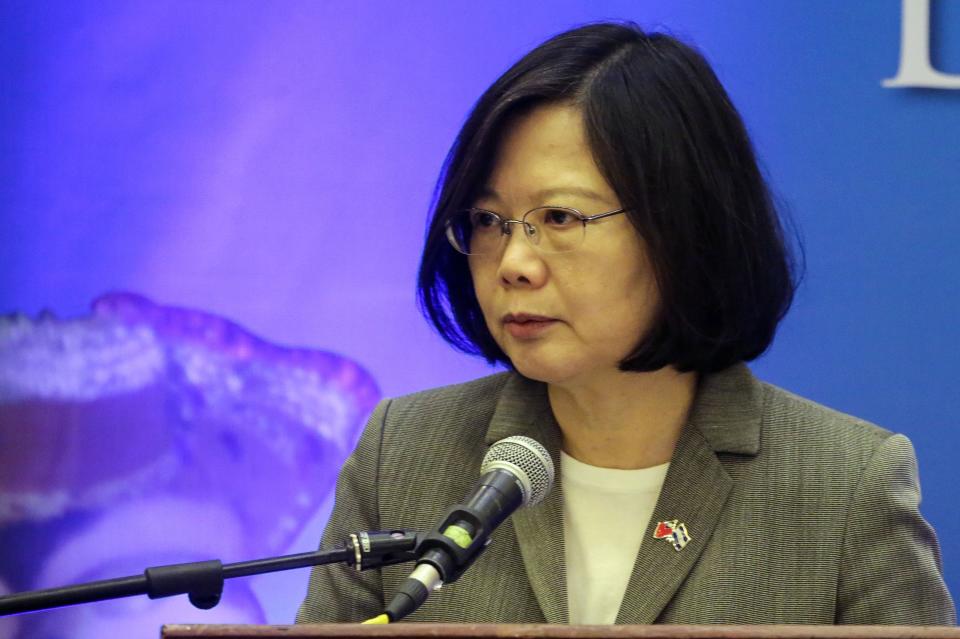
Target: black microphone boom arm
{"points": [[203, 581]]}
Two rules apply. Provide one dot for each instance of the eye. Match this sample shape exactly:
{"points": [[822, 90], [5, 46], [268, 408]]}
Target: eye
{"points": [[483, 220], [559, 217]]}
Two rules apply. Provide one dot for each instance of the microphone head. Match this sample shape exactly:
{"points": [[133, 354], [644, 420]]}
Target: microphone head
{"points": [[527, 460]]}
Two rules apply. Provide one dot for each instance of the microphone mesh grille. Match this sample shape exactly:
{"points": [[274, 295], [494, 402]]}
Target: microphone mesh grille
{"points": [[528, 460]]}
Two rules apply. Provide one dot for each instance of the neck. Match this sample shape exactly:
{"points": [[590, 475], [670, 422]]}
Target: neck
{"points": [[625, 420]]}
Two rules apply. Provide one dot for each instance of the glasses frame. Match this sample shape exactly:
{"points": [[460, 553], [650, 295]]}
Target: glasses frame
{"points": [[530, 230]]}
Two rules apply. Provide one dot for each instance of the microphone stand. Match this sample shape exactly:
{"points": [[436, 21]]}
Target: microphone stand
{"points": [[203, 581]]}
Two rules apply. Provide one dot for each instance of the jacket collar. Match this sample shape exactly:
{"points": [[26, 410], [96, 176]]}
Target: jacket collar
{"points": [[725, 418], [728, 409]]}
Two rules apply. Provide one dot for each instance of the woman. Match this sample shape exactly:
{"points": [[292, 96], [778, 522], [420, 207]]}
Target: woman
{"points": [[602, 228]]}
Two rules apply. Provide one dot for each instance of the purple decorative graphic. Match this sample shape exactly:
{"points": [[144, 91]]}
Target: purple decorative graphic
{"points": [[144, 435]]}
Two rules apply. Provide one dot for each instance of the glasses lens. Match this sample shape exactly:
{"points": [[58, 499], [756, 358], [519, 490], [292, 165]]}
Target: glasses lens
{"points": [[474, 231], [555, 229]]}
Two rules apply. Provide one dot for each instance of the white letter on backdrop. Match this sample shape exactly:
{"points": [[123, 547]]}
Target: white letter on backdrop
{"points": [[915, 68]]}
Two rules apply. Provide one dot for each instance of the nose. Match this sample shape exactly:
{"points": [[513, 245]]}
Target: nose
{"points": [[520, 263]]}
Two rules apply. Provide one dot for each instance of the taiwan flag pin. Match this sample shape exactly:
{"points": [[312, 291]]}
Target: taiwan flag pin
{"points": [[674, 532]]}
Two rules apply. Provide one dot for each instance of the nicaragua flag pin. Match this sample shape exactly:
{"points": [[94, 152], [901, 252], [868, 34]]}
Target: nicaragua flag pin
{"points": [[674, 532]]}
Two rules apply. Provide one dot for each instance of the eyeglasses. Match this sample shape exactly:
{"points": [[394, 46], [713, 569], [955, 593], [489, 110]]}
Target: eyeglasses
{"points": [[551, 229]]}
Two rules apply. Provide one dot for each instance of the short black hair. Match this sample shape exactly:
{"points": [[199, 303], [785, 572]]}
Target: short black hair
{"points": [[669, 141]]}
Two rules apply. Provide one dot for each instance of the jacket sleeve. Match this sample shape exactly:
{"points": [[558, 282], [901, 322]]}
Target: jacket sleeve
{"points": [[336, 592], [890, 572]]}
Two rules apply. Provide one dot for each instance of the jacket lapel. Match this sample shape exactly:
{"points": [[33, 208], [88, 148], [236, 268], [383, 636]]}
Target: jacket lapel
{"points": [[693, 493], [524, 409], [725, 418]]}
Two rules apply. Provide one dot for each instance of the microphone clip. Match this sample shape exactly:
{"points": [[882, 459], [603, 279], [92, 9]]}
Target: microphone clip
{"points": [[382, 548]]}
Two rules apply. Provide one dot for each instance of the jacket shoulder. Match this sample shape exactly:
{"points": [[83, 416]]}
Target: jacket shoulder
{"points": [[811, 426], [482, 387], [454, 403]]}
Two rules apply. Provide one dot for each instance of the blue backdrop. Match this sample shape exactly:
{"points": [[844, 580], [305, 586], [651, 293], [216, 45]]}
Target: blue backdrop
{"points": [[272, 163]]}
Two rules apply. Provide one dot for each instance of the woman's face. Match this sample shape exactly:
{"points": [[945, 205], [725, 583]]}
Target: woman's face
{"points": [[562, 318]]}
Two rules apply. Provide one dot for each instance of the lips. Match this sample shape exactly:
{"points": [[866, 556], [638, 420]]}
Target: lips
{"points": [[527, 326], [522, 318]]}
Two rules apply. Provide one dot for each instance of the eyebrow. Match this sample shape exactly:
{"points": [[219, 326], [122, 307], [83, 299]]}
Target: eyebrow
{"points": [[547, 194]]}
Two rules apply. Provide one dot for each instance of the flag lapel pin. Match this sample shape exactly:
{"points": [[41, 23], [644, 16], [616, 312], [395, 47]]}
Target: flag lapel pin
{"points": [[674, 532]]}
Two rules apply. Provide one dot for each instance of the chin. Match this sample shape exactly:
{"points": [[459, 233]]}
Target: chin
{"points": [[548, 372], [549, 361]]}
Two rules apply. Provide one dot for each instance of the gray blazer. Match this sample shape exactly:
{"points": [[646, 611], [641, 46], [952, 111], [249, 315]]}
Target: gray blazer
{"points": [[797, 514]]}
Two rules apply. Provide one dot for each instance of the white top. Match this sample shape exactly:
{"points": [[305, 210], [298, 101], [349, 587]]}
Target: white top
{"points": [[606, 513]]}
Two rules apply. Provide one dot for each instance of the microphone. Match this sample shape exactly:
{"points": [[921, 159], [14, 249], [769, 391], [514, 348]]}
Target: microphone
{"points": [[516, 471]]}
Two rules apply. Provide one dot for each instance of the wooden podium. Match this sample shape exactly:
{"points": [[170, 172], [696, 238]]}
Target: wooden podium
{"points": [[537, 631]]}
